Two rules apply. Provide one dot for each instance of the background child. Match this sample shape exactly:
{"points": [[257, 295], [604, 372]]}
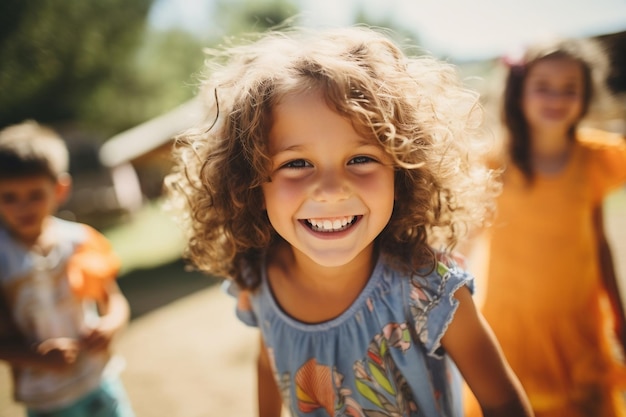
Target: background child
{"points": [[332, 166], [549, 264], [57, 287]]}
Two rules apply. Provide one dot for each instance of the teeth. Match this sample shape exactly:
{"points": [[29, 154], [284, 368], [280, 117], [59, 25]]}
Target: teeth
{"points": [[328, 225]]}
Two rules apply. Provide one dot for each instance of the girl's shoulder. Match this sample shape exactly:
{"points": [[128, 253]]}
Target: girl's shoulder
{"points": [[604, 158], [592, 138]]}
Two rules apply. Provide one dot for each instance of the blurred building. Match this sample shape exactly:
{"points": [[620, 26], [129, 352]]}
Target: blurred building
{"points": [[146, 149], [100, 196]]}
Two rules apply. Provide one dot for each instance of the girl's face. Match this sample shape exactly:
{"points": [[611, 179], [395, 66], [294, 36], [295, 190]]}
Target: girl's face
{"points": [[552, 97], [332, 190]]}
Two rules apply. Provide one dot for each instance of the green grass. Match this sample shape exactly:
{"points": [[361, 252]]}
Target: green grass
{"points": [[148, 239]]}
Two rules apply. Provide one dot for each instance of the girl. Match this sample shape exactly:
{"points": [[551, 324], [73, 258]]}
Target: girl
{"points": [[550, 270], [332, 165]]}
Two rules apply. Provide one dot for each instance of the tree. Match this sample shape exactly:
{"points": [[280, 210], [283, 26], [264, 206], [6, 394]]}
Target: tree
{"points": [[56, 53], [160, 75]]}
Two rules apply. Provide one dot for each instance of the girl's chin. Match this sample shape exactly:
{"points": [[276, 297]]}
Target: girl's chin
{"points": [[332, 256]]}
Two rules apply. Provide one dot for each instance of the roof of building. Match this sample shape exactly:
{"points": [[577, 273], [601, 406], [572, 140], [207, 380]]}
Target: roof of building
{"points": [[141, 139]]}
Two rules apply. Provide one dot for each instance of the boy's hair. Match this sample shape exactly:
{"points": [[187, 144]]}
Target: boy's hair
{"points": [[29, 149], [415, 107], [595, 66]]}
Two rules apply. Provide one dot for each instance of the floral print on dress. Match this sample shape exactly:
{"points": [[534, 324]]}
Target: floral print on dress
{"points": [[282, 380], [422, 301], [378, 379], [315, 387]]}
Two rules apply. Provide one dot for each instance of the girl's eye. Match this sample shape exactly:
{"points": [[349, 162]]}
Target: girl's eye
{"points": [[360, 160], [297, 163]]}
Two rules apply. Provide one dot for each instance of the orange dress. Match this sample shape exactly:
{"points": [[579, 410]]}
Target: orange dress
{"points": [[544, 295]]}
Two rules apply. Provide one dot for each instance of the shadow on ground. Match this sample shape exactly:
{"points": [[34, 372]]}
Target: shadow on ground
{"points": [[149, 289]]}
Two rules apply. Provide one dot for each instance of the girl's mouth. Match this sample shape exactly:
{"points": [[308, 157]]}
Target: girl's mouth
{"points": [[330, 225]]}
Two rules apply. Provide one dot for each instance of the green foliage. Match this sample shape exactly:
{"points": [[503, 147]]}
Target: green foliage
{"points": [[246, 16], [54, 53], [158, 77]]}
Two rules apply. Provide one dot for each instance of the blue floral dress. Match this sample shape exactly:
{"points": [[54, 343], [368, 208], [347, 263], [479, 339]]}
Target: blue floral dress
{"points": [[380, 357]]}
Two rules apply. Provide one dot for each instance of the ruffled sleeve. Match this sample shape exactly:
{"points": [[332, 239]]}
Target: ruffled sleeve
{"points": [[244, 310], [432, 303]]}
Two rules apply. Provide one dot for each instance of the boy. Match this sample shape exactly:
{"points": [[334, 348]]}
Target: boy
{"points": [[60, 306]]}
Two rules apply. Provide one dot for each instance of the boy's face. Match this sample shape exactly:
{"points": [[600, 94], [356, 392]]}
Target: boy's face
{"points": [[332, 190], [25, 204]]}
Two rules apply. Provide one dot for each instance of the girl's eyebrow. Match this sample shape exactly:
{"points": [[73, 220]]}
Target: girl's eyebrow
{"points": [[361, 142], [287, 148], [368, 142]]}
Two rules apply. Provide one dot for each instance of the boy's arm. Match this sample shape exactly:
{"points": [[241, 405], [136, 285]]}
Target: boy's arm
{"points": [[473, 347], [115, 314], [54, 354], [19, 354], [13, 348], [269, 400]]}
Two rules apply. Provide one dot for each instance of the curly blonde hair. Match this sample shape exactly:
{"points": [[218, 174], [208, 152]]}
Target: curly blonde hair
{"points": [[416, 107]]}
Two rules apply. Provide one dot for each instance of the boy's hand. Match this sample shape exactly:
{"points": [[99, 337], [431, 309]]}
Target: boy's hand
{"points": [[115, 314], [58, 353], [98, 338]]}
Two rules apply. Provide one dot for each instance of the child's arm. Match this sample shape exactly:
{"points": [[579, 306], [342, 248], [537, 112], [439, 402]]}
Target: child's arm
{"points": [[52, 354], [270, 403], [115, 313], [609, 278], [471, 344]]}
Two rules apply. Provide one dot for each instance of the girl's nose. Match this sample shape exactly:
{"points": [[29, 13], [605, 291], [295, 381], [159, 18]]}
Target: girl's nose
{"points": [[560, 95], [331, 186]]}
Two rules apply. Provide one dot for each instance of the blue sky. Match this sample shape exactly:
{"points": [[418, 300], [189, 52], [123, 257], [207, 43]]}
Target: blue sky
{"points": [[460, 29]]}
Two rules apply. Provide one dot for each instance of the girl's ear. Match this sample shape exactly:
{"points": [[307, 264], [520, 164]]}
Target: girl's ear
{"points": [[63, 187]]}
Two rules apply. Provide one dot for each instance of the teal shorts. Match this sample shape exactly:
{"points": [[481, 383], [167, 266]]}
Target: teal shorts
{"points": [[108, 400]]}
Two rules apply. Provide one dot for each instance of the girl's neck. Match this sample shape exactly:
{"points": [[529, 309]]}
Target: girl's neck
{"points": [[301, 286], [549, 143], [551, 151]]}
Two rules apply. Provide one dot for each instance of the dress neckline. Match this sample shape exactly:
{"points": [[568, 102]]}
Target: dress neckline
{"points": [[374, 278]]}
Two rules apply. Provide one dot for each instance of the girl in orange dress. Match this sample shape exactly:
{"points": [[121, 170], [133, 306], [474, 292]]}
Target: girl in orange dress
{"points": [[546, 299]]}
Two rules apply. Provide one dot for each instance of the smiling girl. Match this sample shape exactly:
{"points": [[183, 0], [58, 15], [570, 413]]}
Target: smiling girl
{"points": [[329, 185], [549, 273]]}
